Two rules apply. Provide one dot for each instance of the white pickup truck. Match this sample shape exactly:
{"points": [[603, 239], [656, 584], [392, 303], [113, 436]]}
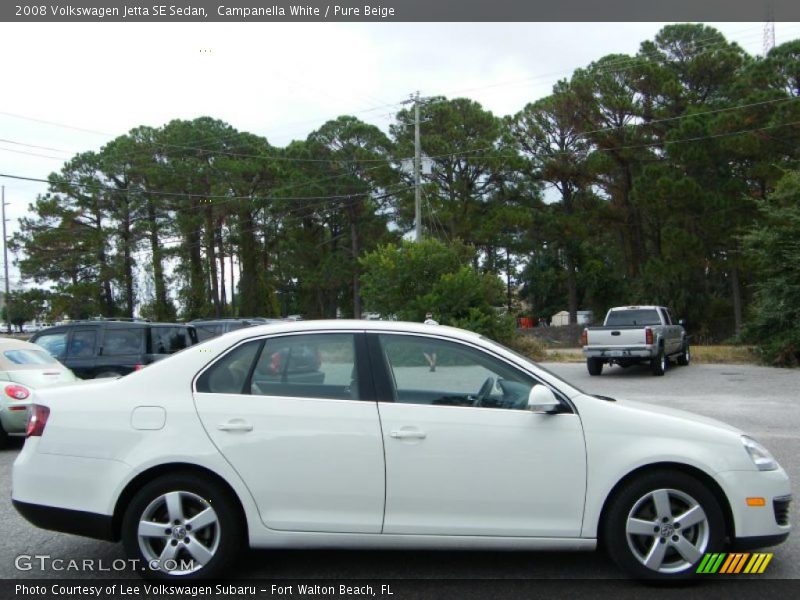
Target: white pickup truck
{"points": [[635, 334]]}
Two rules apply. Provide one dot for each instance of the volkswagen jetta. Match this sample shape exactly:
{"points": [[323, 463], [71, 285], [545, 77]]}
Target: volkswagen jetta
{"points": [[214, 448]]}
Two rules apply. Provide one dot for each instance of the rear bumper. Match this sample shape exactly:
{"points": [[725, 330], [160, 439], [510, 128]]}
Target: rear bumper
{"points": [[14, 422], [65, 520], [612, 353]]}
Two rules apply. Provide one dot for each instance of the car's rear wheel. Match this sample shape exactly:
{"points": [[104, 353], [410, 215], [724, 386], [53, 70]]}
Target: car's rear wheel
{"points": [[660, 525], [182, 527], [595, 366], [659, 363], [3, 437], [685, 356]]}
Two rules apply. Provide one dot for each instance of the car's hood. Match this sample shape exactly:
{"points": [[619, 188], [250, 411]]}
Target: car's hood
{"points": [[676, 413]]}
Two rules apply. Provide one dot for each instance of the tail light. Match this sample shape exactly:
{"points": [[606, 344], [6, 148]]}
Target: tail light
{"points": [[17, 392], [648, 336], [37, 420], [585, 337], [138, 367]]}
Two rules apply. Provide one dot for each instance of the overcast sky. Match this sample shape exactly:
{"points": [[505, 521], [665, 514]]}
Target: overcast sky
{"points": [[277, 80]]}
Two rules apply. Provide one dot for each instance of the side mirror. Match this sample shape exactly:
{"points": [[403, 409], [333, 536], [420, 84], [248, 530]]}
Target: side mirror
{"points": [[542, 400], [682, 322]]}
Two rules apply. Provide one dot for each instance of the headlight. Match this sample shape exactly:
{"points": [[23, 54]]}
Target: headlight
{"points": [[763, 460]]}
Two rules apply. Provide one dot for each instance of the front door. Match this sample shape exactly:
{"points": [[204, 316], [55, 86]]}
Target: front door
{"points": [[464, 456], [297, 420]]}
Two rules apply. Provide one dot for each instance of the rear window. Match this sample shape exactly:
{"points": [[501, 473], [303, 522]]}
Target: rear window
{"points": [[29, 357], [206, 332], [621, 318], [166, 340]]}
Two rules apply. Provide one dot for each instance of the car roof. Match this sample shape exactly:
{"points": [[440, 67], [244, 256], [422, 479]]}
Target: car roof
{"points": [[110, 323], [637, 307], [350, 325]]}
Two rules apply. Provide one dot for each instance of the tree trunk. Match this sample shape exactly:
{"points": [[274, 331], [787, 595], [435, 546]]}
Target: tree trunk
{"points": [[356, 251], [737, 300], [162, 311], [210, 239], [223, 299]]}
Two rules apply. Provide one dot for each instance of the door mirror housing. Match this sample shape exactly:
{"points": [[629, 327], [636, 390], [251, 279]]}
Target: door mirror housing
{"points": [[682, 322], [541, 399]]}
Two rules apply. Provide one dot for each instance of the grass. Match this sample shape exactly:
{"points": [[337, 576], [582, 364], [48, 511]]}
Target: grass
{"points": [[739, 355]]}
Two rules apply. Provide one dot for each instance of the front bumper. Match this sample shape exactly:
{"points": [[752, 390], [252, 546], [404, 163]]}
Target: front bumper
{"points": [[758, 526]]}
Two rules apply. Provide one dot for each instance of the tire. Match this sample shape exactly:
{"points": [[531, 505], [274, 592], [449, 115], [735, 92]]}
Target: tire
{"points": [[659, 364], [685, 357], [186, 531], [643, 533], [3, 437], [595, 366]]}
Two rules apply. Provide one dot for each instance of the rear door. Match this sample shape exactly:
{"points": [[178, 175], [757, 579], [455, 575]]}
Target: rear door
{"points": [[122, 349], [295, 415]]}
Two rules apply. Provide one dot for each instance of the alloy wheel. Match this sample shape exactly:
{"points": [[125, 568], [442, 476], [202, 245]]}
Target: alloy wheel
{"points": [[179, 533], [667, 531]]}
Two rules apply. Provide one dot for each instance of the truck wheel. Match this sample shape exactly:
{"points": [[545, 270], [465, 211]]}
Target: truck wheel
{"points": [[685, 356], [595, 366], [658, 364]]}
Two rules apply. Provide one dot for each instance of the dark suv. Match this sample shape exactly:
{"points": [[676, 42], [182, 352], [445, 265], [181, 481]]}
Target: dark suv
{"points": [[108, 348], [209, 328]]}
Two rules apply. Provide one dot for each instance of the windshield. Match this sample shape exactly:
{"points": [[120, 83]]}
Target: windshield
{"points": [[633, 317]]}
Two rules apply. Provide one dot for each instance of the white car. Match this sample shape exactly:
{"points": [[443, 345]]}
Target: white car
{"points": [[24, 366], [235, 441]]}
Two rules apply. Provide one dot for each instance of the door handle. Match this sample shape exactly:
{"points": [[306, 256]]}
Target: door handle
{"points": [[235, 426], [408, 434]]}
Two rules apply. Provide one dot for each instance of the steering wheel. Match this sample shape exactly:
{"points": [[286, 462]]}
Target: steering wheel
{"points": [[484, 392]]}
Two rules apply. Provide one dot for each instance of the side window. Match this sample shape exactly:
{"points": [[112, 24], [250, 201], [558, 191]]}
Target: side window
{"points": [[119, 342], [82, 344], [229, 374], [54, 343], [666, 316], [439, 372], [307, 366]]}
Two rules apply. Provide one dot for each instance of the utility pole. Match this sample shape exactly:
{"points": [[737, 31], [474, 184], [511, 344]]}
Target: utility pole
{"points": [[5, 258], [417, 168]]}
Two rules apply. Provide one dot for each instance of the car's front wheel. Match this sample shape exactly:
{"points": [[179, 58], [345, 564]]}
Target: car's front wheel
{"points": [[660, 525], [182, 526]]}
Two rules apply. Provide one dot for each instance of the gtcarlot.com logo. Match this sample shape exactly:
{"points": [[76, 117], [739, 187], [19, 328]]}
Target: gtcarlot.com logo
{"points": [[733, 564], [45, 562]]}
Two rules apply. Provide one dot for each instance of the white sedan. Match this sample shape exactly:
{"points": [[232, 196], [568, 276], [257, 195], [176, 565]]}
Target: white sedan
{"points": [[342, 434]]}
